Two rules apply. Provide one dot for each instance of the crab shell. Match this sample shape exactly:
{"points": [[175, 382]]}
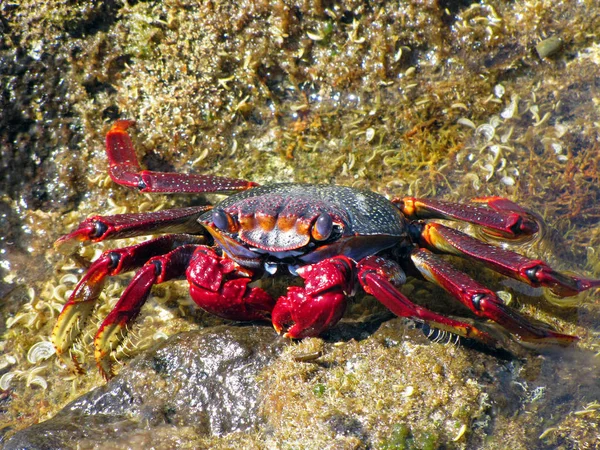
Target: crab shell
{"points": [[280, 224]]}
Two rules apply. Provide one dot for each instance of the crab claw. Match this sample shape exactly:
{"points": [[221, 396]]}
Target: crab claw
{"points": [[309, 310], [304, 315], [218, 285]]}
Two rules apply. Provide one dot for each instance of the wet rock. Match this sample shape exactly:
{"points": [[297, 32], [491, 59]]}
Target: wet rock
{"points": [[203, 383]]}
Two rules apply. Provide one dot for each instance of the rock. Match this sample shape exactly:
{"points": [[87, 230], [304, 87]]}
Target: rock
{"points": [[201, 382]]}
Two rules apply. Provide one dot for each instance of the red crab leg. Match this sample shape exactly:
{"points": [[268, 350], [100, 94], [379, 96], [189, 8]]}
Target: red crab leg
{"points": [[320, 304], [112, 262], [501, 217], [533, 272], [125, 170], [99, 228], [483, 302], [380, 278], [113, 329]]}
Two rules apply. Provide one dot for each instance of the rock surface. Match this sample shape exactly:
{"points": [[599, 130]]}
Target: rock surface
{"points": [[200, 382]]}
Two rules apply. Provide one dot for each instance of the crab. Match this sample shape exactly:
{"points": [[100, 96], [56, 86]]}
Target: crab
{"points": [[335, 238]]}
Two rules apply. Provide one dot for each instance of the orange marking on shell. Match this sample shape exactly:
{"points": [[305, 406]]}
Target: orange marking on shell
{"points": [[266, 222], [286, 222], [247, 223], [302, 227]]}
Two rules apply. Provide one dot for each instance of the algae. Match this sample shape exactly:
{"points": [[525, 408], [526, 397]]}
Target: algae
{"points": [[406, 98]]}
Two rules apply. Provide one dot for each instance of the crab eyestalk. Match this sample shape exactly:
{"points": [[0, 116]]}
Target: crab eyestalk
{"points": [[322, 228]]}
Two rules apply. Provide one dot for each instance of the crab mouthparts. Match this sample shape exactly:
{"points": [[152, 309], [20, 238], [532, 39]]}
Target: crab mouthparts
{"points": [[230, 246]]}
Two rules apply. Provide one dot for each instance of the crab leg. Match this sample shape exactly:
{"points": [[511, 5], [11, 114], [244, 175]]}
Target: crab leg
{"points": [[380, 278], [533, 272], [483, 302], [112, 262], [118, 226], [126, 171], [113, 329], [501, 217]]}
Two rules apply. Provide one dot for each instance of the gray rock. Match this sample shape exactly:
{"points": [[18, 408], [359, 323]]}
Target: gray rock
{"points": [[202, 381]]}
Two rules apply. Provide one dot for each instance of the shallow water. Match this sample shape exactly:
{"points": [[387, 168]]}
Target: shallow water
{"points": [[444, 99]]}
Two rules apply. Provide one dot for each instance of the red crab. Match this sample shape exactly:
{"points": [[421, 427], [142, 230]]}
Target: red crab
{"points": [[331, 236]]}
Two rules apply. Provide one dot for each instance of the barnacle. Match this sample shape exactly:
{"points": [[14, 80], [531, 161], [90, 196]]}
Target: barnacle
{"points": [[33, 314], [40, 351], [549, 46], [6, 379], [32, 377], [494, 142], [467, 122], [462, 430], [512, 109], [7, 361]]}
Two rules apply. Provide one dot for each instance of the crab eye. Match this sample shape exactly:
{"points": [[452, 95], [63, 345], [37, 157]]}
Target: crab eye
{"points": [[223, 221], [323, 227]]}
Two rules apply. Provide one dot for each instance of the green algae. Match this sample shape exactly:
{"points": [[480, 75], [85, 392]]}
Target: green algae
{"points": [[402, 438], [376, 96]]}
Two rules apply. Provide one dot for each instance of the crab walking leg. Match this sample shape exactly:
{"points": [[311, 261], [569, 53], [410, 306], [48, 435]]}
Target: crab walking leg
{"points": [[380, 278], [531, 271], [125, 170], [483, 302], [112, 262], [307, 311], [118, 226], [501, 217], [113, 329]]}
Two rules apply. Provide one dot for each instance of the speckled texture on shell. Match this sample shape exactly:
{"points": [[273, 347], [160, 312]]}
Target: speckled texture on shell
{"points": [[362, 212]]}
